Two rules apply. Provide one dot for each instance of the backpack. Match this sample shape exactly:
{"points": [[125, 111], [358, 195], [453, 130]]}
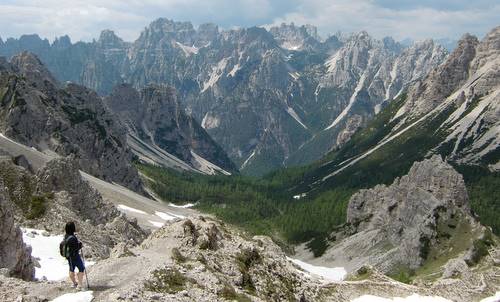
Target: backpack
{"points": [[64, 248]]}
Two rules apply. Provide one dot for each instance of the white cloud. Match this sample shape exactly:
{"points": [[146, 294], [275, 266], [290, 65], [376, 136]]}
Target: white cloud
{"points": [[417, 23], [83, 20]]}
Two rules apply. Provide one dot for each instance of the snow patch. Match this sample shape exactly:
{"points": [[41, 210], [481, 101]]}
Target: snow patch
{"points": [[188, 50], [185, 206], [233, 71], [247, 160], [352, 100], [291, 45], [46, 250], [86, 296], [331, 63], [328, 274], [295, 116], [494, 298], [393, 74], [412, 298], [167, 216], [377, 108], [295, 75], [299, 196], [209, 121], [217, 71], [130, 209], [206, 166], [156, 223]]}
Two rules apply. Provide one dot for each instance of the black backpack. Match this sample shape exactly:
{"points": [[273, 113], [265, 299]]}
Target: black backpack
{"points": [[64, 248]]}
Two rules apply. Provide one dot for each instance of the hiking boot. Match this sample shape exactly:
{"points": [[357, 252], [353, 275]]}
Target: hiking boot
{"points": [[75, 285]]}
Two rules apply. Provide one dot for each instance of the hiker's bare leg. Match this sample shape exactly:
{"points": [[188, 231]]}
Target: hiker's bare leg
{"points": [[72, 277], [80, 279]]}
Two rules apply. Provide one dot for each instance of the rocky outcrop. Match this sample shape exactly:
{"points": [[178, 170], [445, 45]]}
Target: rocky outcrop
{"points": [[155, 117], [15, 256], [215, 263], [100, 224], [418, 218], [56, 194], [72, 120]]}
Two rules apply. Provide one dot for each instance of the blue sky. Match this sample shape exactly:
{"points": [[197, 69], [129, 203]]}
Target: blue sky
{"points": [[83, 20]]}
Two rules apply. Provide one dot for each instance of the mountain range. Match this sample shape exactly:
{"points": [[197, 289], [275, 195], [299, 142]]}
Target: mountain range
{"points": [[270, 98]]}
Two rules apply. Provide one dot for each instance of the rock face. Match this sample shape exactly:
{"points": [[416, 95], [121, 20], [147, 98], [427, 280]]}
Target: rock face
{"points": [[100, 224], [155, 118], [407, 223], [57, 194], [72, 120], [445, 79], [267, 97], [456, 116], [15, 256], [467, 89]]}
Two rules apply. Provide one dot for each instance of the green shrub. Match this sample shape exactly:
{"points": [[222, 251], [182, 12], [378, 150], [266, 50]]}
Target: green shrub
{"points": [[403, 276], [166, 280], [245, 260], [177, 256], [38, 207], [480, 248], [228, 293]]}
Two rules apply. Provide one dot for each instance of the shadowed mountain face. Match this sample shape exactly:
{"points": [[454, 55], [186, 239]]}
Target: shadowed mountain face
{"points": [[156, 121], [269, 98], [70, 120]]}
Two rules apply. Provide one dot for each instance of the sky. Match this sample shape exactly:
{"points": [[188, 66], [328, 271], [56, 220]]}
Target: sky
{"points": [[401, 19]]}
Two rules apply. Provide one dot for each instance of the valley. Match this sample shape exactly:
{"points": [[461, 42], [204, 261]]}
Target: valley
{"points": [[251, 164]]}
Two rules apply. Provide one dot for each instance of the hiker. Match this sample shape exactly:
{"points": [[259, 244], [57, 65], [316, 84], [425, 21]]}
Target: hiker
{"points": [[70, 249]]}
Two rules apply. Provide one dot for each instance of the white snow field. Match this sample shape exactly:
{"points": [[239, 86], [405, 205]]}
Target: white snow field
{"points": [[494, 298], [167, 216], [329, 274], [184, 206], [156, 223], [45, 248], [130, 209], [412, 298], [86, 296]]}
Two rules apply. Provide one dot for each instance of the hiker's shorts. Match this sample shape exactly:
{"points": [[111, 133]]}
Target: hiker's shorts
{"points": [[76, 262]]}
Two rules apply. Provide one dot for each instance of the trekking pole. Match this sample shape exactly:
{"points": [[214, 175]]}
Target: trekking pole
{"points": [[86, 277]]}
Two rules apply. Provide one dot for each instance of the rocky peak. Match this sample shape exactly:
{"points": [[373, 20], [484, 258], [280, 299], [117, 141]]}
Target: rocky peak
{"points": [[292, 37], [33, 40], [161, 28], [62, 42], [432, 176], [420, 214], [33, 69], [487, 50], [444, 79], [108, 39]]}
